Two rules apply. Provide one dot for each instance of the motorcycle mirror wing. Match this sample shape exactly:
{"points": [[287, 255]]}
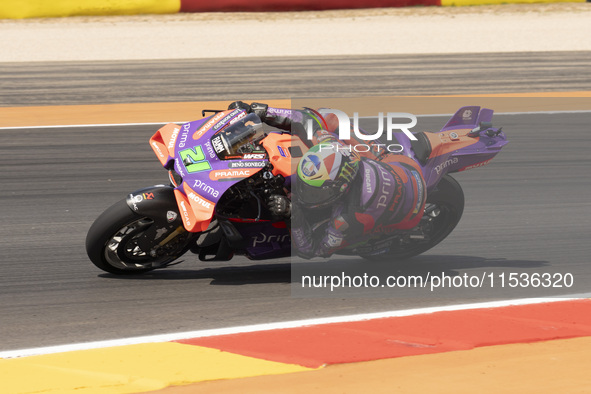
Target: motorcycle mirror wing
{"points": [[482, 126], [215, 111]]}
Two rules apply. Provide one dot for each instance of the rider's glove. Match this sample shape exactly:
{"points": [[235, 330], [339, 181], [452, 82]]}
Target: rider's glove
{"points": [[279, 205], [241, 105], [258, 108]]}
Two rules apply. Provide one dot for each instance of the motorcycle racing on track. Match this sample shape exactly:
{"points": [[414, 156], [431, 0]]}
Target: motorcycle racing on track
{"points": [[238, 188]]}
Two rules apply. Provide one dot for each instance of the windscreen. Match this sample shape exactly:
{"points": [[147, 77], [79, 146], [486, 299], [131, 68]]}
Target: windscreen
{"points": [[238, 138]]}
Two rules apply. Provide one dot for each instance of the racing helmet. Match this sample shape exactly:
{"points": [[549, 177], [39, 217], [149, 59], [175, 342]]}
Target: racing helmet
{"points": [[325, 174]]}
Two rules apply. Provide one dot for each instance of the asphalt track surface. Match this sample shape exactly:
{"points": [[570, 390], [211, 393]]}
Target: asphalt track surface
{"points": [[102, 82], [526, 212]]}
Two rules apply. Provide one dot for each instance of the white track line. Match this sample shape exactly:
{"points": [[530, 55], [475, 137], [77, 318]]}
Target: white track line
{"points": [[361, 117], [88, 125], [274, 326]]}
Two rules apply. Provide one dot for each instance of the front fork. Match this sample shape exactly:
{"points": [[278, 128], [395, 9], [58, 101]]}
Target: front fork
{"points": [[158, 203]]}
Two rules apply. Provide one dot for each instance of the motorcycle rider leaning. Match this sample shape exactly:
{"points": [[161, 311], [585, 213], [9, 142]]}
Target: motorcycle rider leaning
{"points": [[340, 198]]}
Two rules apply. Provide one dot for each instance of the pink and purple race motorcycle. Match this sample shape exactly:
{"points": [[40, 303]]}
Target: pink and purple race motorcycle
{"points": [[222, 168]]}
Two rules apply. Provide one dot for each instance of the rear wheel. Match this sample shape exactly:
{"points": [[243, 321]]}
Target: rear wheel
{"points": [[123, 242], [443, 211]]}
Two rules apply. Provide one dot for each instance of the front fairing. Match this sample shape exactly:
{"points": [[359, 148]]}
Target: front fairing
{"points": [[188, 149]]}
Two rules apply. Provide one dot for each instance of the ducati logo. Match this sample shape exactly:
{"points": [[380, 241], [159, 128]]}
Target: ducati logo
{"points": [[171, 216]]}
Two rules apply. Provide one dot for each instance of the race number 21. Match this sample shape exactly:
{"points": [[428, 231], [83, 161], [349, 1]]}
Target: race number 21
{"points": [[194, 160]]}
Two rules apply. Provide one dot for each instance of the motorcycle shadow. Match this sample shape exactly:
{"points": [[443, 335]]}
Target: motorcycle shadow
{"points": [[226, 275], [290, 271]]}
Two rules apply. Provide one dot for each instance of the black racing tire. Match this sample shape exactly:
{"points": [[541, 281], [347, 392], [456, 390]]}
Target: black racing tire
{"points": [[119, 240], [447, 205]]}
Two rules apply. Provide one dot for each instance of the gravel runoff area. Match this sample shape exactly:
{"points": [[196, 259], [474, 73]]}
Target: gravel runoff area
{"points": [[413, 30]]}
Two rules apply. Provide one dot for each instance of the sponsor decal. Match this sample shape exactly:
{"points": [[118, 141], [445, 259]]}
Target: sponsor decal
{"points": [[333, 240], [340, 223], [299, 238], [445, 164], [386, 186], [348, 173], [453, 135], [247, 164], [231, 174], [237, 118], [282, 151], [368, 186], [157, 148], [204, 187], [258, 156], [216, 118], [280, 112], [218, 146], [186, 216], [467, 114], [171, 216], [398, 192], [177, 167], [175, 133], [263, 239], [200, 201], [209, 150], [139, 198], [222, 122], [311, 165], [482, 163], [184, 134], [194, 160], [134, 202]]}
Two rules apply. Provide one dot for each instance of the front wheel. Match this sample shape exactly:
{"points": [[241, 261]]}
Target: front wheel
{"points": [[443, 211], [122, 242]]}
